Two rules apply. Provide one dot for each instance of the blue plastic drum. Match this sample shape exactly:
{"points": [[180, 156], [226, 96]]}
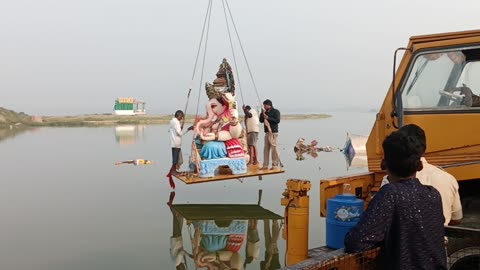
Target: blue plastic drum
{"points": [[343, 213]]}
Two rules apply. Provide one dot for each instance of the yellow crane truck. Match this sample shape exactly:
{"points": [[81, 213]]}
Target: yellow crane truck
{"points": [[436, 86]]}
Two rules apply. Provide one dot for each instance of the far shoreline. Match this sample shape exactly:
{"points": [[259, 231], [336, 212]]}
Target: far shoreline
{"points": [[112, 120], [11, 119]]}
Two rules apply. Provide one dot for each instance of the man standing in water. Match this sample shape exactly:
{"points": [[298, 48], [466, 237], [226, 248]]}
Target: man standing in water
{"points": [[176, 134], [271, 117], [252, 123], [405, 217]]}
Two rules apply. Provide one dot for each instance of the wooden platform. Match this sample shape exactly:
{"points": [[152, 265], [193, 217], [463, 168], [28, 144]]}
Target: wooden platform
{"points": [[224, 211], [253, 170]]}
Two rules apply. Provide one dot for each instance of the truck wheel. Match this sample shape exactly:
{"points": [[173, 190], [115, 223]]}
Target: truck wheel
{"points": [[465, 259]]}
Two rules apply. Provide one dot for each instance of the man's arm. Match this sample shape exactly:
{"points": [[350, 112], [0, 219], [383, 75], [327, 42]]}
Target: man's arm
{"points": [[457, 214], [261, 118], [373, 224], [178, 129]]}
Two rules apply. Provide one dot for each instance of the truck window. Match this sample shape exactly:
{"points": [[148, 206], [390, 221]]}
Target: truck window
{"points": [[471, 76], [443, 80]]}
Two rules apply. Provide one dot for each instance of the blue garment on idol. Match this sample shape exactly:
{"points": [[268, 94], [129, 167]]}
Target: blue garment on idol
{"points": [[213, 150]]}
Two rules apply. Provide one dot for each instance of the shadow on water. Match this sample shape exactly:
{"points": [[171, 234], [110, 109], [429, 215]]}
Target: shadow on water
{"points": [[225, 236]]}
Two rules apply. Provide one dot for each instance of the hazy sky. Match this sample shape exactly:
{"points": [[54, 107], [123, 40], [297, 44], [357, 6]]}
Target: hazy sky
{"points": [[78, 56]]}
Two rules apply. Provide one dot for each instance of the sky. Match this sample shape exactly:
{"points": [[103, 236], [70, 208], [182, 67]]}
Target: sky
{"points": [[66, 57]]}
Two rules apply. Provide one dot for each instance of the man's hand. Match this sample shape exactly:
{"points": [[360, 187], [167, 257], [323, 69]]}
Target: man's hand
{"points": [[190, 128]]}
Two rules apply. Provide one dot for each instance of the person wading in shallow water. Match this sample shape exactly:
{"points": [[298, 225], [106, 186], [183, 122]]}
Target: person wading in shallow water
{"points": [[176, 134]]}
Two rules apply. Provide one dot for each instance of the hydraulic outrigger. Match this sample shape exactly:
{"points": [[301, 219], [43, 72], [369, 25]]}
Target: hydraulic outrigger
{"points": [[295, 231]]}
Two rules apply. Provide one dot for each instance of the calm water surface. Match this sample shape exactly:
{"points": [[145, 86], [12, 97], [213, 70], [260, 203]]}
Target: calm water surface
{"points": [[64, 205]]}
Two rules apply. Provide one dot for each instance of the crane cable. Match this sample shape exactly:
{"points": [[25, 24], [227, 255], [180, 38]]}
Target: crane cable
{"points": [[208, 16], [196, 59], [267, 124], [243, 52], [194, 157], [233, 51]]}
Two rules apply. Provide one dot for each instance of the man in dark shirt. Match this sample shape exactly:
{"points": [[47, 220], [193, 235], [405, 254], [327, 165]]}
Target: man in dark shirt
{"points": [[271, 118], [404, 218]]}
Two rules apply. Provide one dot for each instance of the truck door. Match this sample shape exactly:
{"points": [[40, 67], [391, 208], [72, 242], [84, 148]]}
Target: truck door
{"points": [[441, 93]]}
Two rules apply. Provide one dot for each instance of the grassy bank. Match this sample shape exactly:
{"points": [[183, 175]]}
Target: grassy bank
{"points": [[97, 120], [9, 119], [102, 120]]}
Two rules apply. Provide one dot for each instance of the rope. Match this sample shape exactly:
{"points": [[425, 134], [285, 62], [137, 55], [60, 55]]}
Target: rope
{"points": [[243, 52], [196, 61], [233, 51]]}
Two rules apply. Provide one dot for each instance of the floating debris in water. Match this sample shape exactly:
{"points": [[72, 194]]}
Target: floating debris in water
{"points": [[135, 162], [311, 149]]}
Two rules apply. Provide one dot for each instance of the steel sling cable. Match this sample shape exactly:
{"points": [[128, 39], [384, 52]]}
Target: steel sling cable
{"points": [[194, 148], [209, 13], [270, 138], [233, 51], [243, 51], [196, 59]]}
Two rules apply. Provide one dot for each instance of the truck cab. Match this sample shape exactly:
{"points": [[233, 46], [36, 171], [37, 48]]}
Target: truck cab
{"points": [[437, 87]]}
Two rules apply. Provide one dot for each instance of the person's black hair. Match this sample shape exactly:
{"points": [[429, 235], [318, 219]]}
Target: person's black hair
{"points": [[268, 102], [417, 132], [248, 107], [179, 113], [402, 154]]}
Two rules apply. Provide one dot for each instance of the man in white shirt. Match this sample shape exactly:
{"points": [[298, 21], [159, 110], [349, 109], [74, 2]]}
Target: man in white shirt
{"points": [[252, 123], [431, 175], [176, 134]]}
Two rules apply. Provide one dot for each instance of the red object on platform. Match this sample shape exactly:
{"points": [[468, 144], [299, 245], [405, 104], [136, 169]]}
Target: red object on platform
{"points": [[234, 148]]}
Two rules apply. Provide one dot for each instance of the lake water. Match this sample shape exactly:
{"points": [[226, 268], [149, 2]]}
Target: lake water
{"points": [[65, 205]]}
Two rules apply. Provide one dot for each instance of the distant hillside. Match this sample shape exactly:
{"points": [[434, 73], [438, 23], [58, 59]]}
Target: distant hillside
{"points": [[12, 118]]}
